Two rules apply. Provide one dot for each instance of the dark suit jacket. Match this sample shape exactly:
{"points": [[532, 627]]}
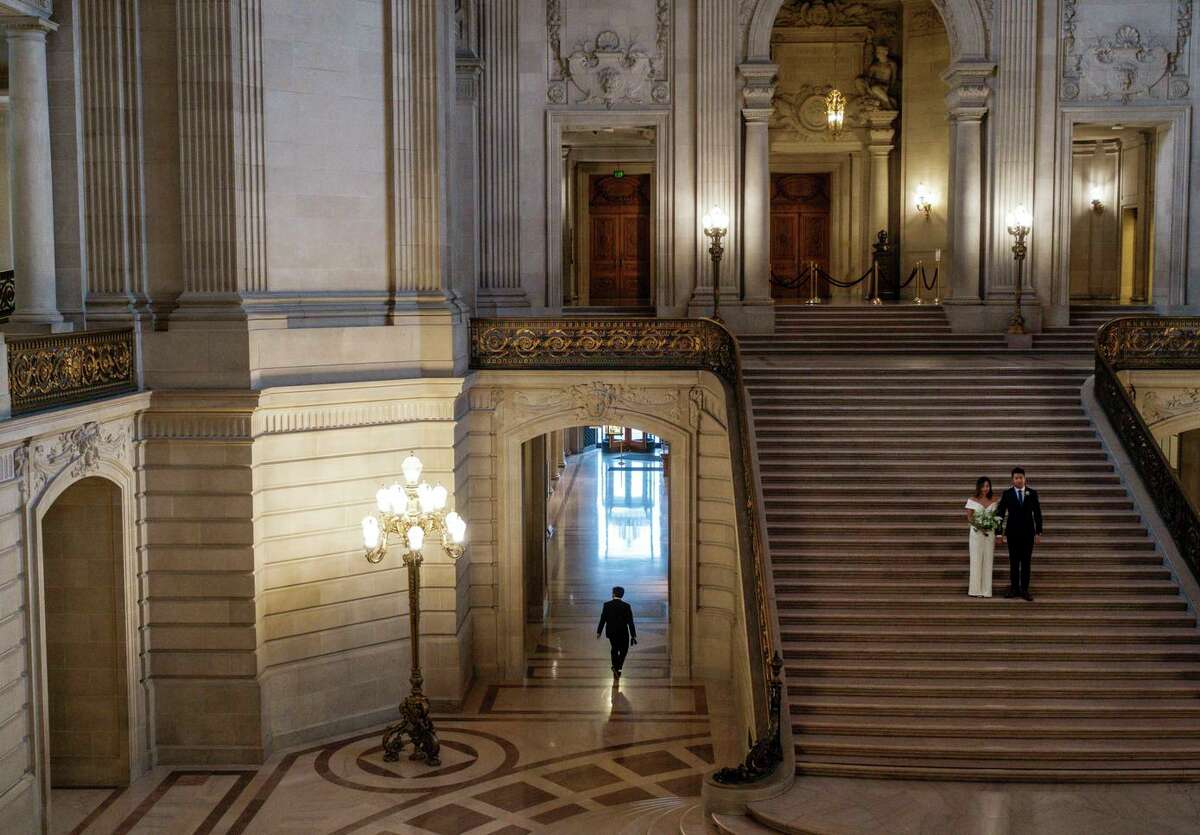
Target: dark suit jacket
{"points": [[1020, 521], [616, 619]]}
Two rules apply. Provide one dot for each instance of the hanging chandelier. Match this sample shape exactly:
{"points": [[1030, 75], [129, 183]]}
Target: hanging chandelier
{"points": [[835, 111]]}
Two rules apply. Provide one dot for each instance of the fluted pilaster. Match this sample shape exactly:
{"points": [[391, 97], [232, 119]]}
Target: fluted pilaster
{"points": [[421, 81], [1014, 126], [500, 232], [221, 152], [114, 213], [717, 132]]}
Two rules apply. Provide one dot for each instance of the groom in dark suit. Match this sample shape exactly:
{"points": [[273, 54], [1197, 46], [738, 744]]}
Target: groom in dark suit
{"points": [[1020, 515], [616, 620]]}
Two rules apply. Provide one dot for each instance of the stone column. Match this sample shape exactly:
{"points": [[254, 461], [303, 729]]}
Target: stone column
{"points": [[716, 148], [967, 103], [758, 314], [881, 132], [6, 259], [1014, 144], [500, 173], [31, 181]]}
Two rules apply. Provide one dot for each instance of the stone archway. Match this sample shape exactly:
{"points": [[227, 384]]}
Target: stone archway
{"points": [[966, 24], [967, 102]]}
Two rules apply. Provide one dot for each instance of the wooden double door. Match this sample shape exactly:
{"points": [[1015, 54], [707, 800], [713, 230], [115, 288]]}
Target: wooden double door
{"points": [[619, 240], [799, 233]]}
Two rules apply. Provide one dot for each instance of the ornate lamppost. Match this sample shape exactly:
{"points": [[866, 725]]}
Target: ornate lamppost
{"points": [[410, 512], [716, 226], [1020, 220]]}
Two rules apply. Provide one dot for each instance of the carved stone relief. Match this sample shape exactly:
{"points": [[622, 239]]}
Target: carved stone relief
{"points": [[593, 402], [609, 69], [1127, 65], [883, 22], [78, 451]]}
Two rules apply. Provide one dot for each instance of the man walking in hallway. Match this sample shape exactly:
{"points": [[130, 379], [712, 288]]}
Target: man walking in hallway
{"points": [[616, 621]]}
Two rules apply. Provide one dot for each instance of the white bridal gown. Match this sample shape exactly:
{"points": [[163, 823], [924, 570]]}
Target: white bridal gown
{"points": [[983, 550]]}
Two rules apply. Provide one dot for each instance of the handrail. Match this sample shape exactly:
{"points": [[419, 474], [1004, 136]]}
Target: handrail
{"points": [[51, 370], [1150, 343], [680, 345]]}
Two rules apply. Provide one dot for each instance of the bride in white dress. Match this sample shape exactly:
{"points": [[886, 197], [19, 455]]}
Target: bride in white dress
{"points": [[983, 545]]}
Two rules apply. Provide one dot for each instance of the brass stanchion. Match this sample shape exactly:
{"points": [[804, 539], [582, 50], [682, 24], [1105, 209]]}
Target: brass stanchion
{"points": [[814, 291], [920, 277], [875, 274], [937, 284]]}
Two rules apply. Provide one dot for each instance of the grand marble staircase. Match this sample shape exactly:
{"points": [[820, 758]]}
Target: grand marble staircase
{"points": [[891, 669]]}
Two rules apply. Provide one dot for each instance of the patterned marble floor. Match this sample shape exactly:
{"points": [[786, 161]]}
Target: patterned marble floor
{"points": [[520, 757]]}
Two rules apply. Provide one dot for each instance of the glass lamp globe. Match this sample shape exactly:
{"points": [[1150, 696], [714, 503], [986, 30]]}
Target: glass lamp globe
{"points": [[416, 538], [412, 467], [457, 527], [440, 496], [1020, 218], [370, 532], [716, 219]]}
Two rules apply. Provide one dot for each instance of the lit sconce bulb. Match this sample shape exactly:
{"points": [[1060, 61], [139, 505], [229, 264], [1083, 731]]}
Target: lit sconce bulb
{"points": [[1020, 218], [715, 219], [440, 495], [411, 467], [457, 527], [416, 538], [924, 201], [383, 499], [370, 532], [425, 497], [835, 111]]}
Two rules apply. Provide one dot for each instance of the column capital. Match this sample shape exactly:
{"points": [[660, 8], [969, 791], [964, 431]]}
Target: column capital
{"points": [[23, 26], [758, 90], [881, 130], [969, 91]]}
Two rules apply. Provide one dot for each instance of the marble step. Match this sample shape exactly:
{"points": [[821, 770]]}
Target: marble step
{"points": [[1011, 691], [852, 575], [1080, 632], [982, 707], [947, 603], [785, 558], [998, 727], [805, 669], [954, 653], [1154, 752]]}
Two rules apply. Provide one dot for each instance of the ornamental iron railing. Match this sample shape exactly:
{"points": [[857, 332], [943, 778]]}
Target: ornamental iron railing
{"points": [[46, 371], [680, 345], [8, 294], [1150, 343]]}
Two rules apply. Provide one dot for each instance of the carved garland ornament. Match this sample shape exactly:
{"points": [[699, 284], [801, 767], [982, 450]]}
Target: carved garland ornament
{"points": [[607, 69], [78, 450], [1125, 66]]}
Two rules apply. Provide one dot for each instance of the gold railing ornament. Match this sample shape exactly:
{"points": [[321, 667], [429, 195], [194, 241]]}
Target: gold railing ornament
{"points": [[1150, 343], [51, 370], [661, 345], [412, 512]]}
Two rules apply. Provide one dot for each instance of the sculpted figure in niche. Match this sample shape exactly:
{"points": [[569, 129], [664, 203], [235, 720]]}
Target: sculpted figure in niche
{"points": [[878, 83]]}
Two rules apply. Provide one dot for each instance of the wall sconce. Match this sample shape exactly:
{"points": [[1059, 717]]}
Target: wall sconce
{"points": [[1097, 200], [924, 201], [835, 111]]}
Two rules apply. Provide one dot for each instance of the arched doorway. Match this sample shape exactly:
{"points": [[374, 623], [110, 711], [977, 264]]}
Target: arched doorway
{"points": [[595, 515], [87, 700]]}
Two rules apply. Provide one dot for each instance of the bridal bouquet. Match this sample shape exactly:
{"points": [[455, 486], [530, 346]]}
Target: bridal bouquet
{"points": [[985, 521]]}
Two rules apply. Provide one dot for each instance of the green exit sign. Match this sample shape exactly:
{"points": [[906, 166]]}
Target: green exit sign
{"points": [[619, 173]]}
